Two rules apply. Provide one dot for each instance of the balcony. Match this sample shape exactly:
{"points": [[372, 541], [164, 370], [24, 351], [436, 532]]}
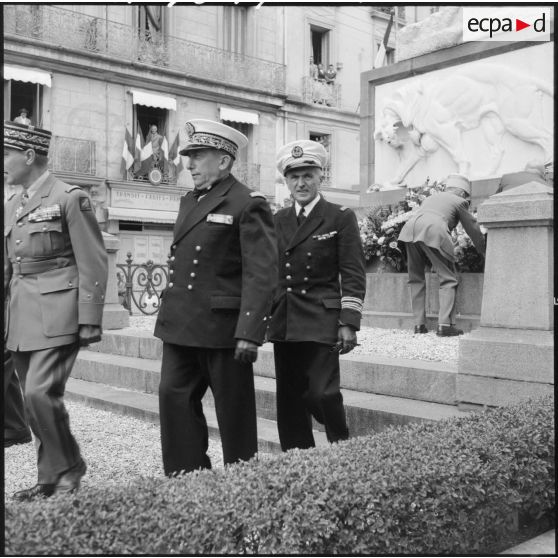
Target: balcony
{"points": [[248, 174], [321, 93], [71, 155], [59, 27]]}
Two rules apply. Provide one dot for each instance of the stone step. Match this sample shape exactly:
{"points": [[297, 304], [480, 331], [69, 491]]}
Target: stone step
{"points": [[413, 379], [145, 406], [366, 412], [405, 320]]}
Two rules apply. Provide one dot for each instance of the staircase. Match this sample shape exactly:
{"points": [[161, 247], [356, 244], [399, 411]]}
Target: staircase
{"points": [[122, 372]]}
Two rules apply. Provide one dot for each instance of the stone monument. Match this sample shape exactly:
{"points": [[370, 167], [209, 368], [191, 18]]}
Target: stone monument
{"points": [[511, 355]]}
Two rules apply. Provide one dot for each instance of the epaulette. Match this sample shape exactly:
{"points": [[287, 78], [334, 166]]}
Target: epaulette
{"points": [[343, 208], [257, 195], [72, 187]]}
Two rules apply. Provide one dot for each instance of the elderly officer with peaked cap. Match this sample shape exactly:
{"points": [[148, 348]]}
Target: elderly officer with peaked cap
{"points": [[427, 238], [55, 265], [213, 316], [318, 305]]}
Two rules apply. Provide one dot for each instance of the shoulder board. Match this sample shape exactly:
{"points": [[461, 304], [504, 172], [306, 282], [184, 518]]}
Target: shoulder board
{"points": [[343, 208], [257, 195], [72, 187]]}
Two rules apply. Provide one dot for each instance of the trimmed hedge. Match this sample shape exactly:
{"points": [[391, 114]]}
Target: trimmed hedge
{"points": [[451, 487]]}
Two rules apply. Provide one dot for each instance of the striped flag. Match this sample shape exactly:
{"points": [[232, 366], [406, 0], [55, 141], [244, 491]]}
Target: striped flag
{"points": [[127, 154], [381, 55], [174, 157], [165, 150], [146, 158], [138, 149]]}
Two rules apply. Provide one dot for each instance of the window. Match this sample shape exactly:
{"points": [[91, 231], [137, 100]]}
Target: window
{"points": [[235, 28], [246, 129], [151, 20], [320, 45], [21, 94], [146, 118], [325, 140]]}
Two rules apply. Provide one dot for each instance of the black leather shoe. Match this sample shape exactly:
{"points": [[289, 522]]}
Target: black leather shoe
{"points": [[70, 480], [421, 329], [15, 441], [38, 491], [448, 331]]}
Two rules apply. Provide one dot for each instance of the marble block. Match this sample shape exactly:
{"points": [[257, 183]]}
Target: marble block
{"points": [[115, 316]]}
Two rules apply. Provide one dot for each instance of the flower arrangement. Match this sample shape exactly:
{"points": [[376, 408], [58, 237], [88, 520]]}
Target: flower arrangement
{"points": [[380, 229]]}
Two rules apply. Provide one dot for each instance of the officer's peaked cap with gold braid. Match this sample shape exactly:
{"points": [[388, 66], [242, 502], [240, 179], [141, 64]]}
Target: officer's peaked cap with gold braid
{"points": [[23, 137], [207, 134]]}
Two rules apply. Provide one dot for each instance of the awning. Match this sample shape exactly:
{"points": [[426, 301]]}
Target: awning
{"points": [[153, 100], [235, 115], [142, 215], [30, 75]]}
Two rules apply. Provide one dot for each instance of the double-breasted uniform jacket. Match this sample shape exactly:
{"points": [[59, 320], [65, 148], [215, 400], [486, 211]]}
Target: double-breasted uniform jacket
{"points": [[322, 279], [433, 222], [223, 269], [55, 265]]}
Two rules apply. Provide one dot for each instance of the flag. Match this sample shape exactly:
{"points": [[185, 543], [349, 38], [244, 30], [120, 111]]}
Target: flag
{"points": [[127, 154], [165, 157], [381, 55], [137, 150], [146, 158], [174, 157]]}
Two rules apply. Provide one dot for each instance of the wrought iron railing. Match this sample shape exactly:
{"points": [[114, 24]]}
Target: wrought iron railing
{"points": [[140, 285], [76, 31], [248, 174], [72, 155], [321, 92]]}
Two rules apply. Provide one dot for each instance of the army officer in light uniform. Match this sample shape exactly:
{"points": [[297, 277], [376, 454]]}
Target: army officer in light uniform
{"points": [[55, 270], [318, 304], [214, 311]]}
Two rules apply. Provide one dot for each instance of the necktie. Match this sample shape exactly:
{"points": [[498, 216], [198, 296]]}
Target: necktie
{"points": [[197, 193], [24, 200], [301, 216]]}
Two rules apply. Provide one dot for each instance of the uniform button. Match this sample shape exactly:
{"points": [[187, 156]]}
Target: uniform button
{"points": [[195, 262], [309, 254], [288, 277], [289, 289], [265, 318], [171, 271], [172, 258], [44, 228], [18, 259], [308, 267], [171, 285], [20, 224], [173, 247], [96, 283], [306, 278], [21, 276], [303, 292], [198, 248], [70, 284], [287, 253], [287, 264], [190, 287], [247, 313], [102, 297], [18, 241], [192, 274]]}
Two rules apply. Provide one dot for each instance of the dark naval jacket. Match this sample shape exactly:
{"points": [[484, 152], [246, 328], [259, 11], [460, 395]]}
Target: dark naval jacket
{"points": [[322, 278], [223, 269], [55, 265]]}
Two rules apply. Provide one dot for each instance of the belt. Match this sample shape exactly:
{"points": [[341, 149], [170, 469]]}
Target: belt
{"points": [[29, 268]]}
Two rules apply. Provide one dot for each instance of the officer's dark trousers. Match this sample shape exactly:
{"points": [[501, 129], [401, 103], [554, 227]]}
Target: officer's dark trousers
{"points": [[186, 373], [419, 255], [44, 375], [15, 422], [308, 384]]}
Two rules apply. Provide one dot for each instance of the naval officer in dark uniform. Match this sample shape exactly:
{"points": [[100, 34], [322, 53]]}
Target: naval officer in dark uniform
{"points": [[318, 304], [55, 269], [214, 312]]}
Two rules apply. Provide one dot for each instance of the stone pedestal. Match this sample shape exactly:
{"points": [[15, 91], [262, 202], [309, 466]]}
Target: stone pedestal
{"points": [[511, 355], [115, 316]]}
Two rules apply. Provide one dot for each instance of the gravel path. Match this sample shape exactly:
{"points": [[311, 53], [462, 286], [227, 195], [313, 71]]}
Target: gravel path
{"points": [[118, 449], [395, 343]]}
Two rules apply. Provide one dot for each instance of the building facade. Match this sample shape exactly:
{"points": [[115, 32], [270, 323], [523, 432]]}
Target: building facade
{"points": [[102, 76]]}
